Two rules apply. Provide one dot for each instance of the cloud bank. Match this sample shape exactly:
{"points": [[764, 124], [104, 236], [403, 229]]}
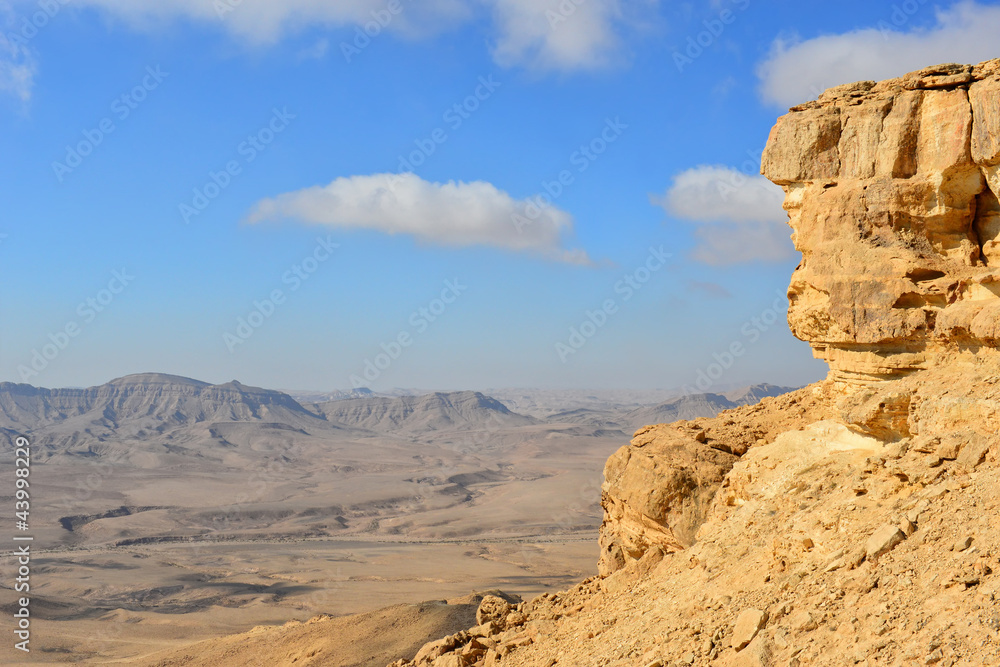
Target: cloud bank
{"points": [[557, 34], [739, 218], [264, 21], [448, 214], [798, 71], [562, 35]]}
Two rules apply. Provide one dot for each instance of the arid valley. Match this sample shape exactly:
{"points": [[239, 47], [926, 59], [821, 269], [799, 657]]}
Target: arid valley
{"points": [[499, 333], [182, 511]]}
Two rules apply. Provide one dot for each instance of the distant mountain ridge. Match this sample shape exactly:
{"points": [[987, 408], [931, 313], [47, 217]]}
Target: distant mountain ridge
{"points": [[756, 393], [147, 397], [148, 404], [432, 412]]}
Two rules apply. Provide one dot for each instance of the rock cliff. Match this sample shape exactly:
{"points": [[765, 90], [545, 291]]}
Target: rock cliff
{"points": [[891, 189], [851, 522]]}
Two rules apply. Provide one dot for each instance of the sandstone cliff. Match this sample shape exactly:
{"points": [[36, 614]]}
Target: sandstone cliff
{"points": [[852, 522], [892, 194]]}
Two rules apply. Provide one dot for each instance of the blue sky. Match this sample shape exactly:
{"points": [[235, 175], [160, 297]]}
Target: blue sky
{"points": [[259, 150]]}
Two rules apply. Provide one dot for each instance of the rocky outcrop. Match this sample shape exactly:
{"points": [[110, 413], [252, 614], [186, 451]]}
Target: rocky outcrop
{"points": [[825, 546], [658, 489], [851, 522], [892, 193], [656, 493]]}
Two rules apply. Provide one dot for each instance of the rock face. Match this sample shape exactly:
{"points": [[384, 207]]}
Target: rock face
{"points": [[749, 623], [851, 522], [658, 489], [656, 493], [892, 192]]}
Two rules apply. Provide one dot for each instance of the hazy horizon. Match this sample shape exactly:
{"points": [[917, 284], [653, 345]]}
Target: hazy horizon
{"points": [[720, 387]]}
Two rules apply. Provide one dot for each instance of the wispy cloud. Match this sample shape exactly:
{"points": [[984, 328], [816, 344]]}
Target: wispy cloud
{"points": [[558, 35], [315, 52], [715, 193], [264, 21], [542, 35], [447, 214], [798, 70], [710, 289], [723, 244], [740, 218], [535, 34], [18, 66]]}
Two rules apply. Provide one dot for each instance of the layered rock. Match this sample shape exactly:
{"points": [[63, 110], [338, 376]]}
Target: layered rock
{"points": [[892, 191], [656, 494], [658, 489], [851, 522], [892, 195]]}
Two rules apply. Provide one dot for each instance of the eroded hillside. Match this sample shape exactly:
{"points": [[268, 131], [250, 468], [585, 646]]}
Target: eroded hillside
{"points": [[852, 522]]}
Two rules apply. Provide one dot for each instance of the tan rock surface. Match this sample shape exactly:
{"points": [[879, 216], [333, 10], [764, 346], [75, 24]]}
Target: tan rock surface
{"points": [[788, 534], [748, 624], [851, 522], [658, 489], [892, 194]]}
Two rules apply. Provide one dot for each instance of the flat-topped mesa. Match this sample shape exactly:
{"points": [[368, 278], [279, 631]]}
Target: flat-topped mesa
{"points": [[892, 192]]}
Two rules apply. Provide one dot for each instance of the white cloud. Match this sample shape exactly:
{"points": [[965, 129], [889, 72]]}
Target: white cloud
{"points": [[17, 61], [17, 70], [449, 214], [264, 21], [797, 71], [253, 21], [723, 244], [716, 194], [556, 34], [740, 217], [538, 34]]}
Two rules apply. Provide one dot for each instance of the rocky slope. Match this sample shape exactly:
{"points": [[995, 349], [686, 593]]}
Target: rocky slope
{"points": [[852, 522]]}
